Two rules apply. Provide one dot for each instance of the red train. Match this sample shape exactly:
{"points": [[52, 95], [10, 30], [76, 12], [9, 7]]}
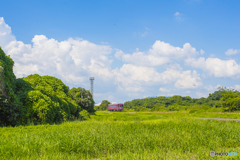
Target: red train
{"points": [[115, 107]]}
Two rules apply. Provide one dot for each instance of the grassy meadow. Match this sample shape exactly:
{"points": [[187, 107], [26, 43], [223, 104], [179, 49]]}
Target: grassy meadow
{"points": [[125, 135]]}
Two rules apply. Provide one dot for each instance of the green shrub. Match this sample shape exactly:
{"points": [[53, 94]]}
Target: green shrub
{"points": [[205, 107], [213, 109], [141, 109], [159, 108], [218, 104], [84, 114], [193, 111], [46, 99], [112, 118]]}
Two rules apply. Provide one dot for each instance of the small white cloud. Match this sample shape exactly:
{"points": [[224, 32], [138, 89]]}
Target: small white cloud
{"points": [[237, 87], [98, 104], [104, 42], [202, 52], [177, 14], [141, 33], [232, 52], [163, 90], [200, 95], [210, 88], [212, 56], [188, 92], [133, 94], [144, 34], [166, 94]]}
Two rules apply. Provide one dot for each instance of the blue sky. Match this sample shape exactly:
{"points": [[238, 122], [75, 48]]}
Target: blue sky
{"points": [[134, 49]]}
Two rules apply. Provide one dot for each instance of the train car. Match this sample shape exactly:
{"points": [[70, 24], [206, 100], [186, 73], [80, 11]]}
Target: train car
{"points": [[115, 107]]}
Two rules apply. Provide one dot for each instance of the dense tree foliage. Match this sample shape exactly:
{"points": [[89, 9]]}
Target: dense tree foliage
{"points": [[9, 101], [37, 99], [45, 99], [231, 100], [225, 98], [103, 106], [83, 98]]}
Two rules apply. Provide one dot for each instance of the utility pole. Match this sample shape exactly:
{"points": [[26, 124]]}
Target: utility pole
{"points": [[91, 79]]}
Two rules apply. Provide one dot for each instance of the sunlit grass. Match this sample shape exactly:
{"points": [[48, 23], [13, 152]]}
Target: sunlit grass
{"points": [[122, 136]]}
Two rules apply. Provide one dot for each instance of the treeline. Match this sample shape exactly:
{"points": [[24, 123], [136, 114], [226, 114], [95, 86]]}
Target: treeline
{"points": [[38, 99], [222, 100]]}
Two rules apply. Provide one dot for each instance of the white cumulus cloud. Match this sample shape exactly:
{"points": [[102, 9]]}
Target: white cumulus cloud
{"points": [[215, 66], [211, 88], [232, 52], [71, 60], [159, 54], [188, 80], [6, 35], [161, 48], [133, 78]]}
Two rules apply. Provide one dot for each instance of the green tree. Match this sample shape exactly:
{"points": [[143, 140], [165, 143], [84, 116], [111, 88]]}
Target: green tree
{"points": [[179, 102], [83, 98], [46, 99], [216, 95], [9, 102], [231, 100], [104, 105]]}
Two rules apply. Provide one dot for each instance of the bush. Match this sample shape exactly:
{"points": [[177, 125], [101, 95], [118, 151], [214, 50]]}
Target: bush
{"points": [[218, 104], [84, 114], [159, 108], [193, 111], [112, 118], [46, 99], [205, 107], [141, 109], [213, 109]]}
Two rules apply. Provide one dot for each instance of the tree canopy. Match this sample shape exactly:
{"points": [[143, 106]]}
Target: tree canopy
{"points": [[37, 99], [83, 98], [227, 98]]}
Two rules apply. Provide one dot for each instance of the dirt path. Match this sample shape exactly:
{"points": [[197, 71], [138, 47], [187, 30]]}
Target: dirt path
{"points": [[222, 119]]}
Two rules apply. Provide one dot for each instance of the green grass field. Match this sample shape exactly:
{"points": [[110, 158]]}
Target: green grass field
{"points": [[125, 135]]}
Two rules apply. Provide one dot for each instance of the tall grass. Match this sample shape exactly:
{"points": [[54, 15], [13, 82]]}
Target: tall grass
{"points": [[121, 136]]}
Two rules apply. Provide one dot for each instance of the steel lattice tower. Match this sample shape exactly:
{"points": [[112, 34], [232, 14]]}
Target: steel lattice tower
{"points": [[91, 79]]}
